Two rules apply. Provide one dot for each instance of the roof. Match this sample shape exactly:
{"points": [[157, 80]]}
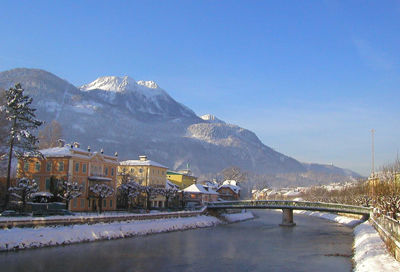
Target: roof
{"points": [[69, 151], [171, 185], [230, 182], [235, 189], [200, 189], [142, 163]]}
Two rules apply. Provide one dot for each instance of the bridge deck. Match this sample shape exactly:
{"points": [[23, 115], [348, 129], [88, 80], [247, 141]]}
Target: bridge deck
{"points": [[294, 205]]}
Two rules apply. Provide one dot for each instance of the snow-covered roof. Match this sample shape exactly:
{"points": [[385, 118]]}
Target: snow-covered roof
{"points": [[292, 193], [200, 189], [170, 185], [230, 182], [43, 194], [71, 151], [142, 163], [234, 188], [61, 151]]}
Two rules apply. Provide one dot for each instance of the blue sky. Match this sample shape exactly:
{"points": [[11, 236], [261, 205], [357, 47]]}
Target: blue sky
{"points": [[311, 78]]}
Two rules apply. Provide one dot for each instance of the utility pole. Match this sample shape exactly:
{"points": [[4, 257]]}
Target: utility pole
{"points": [[373, 153]]}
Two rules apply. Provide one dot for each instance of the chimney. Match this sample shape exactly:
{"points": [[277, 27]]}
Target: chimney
{"points": [[143, 158], [102, 151], [88, 148], [61, 143], [76, 145]]}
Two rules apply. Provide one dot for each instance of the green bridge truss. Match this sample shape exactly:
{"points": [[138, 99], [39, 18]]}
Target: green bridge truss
{"points": [[293, 205]]}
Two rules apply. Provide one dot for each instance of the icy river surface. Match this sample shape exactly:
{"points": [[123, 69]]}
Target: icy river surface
{"points": [[257, 245]]}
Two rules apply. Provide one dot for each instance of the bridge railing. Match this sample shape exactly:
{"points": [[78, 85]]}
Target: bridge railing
{"points": [[296, 205]]}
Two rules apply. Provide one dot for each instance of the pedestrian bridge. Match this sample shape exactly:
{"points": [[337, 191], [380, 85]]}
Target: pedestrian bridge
{"points": [[288, 206]]}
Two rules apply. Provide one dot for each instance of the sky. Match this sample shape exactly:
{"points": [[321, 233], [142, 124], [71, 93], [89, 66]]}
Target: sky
{"points": [[310, 78]]}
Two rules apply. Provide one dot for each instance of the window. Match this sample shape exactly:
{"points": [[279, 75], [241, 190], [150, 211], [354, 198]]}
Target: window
{"points": [[37, 166], [88, 204], [106, 171], [82, 203], [77, 167], [26, 166], [104, 203], [75, 202], [132, 170], [47, 183], [110, 203], [140, 170], [112, 171], [84, 168], [61, 166], [48, 166], [83, 187]]}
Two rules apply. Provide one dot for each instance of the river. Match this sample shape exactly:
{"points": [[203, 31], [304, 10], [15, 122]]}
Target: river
{"points": [[257, 245]]}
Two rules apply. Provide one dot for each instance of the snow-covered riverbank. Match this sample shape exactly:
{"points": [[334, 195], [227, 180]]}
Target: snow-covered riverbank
{"points": [[22, 238], [370, 253]]}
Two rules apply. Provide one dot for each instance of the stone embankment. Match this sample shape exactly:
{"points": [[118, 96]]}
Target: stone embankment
{"points": [[22, 238]]}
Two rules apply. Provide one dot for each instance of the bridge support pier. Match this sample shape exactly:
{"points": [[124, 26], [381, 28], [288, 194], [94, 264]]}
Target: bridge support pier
{"points": [[287, 218]]}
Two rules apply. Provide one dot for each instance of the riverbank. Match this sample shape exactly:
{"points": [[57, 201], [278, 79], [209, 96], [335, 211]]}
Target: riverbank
{"points": [[370, 253], [24, 238]]}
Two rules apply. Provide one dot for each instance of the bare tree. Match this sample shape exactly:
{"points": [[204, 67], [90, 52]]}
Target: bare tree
{"points": [[234, 173], [168, 193], [69, 191], [50, 134], [101, 191], [130, 190]]}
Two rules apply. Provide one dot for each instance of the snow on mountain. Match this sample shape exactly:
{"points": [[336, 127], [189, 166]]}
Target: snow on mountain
{"points": [[211, 118], [124, 84], [139, 118]]}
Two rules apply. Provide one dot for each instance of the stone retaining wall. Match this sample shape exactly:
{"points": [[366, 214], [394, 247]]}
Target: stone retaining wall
{"points": [[70, 220]]}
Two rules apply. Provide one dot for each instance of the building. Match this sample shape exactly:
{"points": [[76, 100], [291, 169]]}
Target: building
{"points": [[182, 178], [147, 173], [229, 190], [197, 195], [70, 162]]}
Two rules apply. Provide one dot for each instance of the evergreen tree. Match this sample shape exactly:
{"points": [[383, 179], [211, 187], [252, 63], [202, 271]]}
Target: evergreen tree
{"points": [[20, 140]]}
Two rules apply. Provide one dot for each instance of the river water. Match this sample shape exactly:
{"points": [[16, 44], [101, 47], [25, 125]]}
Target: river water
{"points": [[257, 245]]}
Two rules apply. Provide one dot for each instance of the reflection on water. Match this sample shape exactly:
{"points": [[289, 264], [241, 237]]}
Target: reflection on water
{"points": [[255, 245]]}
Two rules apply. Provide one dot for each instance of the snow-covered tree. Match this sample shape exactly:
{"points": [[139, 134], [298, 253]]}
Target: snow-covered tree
{"points": [[25, 187], [70, 190], [130, 190], [101, 191], [151, 193], [168, 193], [20, 140]]}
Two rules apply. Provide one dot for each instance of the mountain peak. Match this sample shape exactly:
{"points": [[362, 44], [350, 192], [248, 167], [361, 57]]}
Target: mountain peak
{"points": [[124, 84], [211, 118], [149, 84], [110, 83]]}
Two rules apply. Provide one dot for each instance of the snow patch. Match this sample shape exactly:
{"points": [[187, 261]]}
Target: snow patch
{"points": [[22, 238], [370, 252]]}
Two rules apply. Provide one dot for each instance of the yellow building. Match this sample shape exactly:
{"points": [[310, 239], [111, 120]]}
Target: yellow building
{"points": [[70, 162], [182, 178], [146, 173]]}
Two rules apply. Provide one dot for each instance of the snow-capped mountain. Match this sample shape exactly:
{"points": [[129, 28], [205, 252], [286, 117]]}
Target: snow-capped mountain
{"points": [[140, 118]]}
